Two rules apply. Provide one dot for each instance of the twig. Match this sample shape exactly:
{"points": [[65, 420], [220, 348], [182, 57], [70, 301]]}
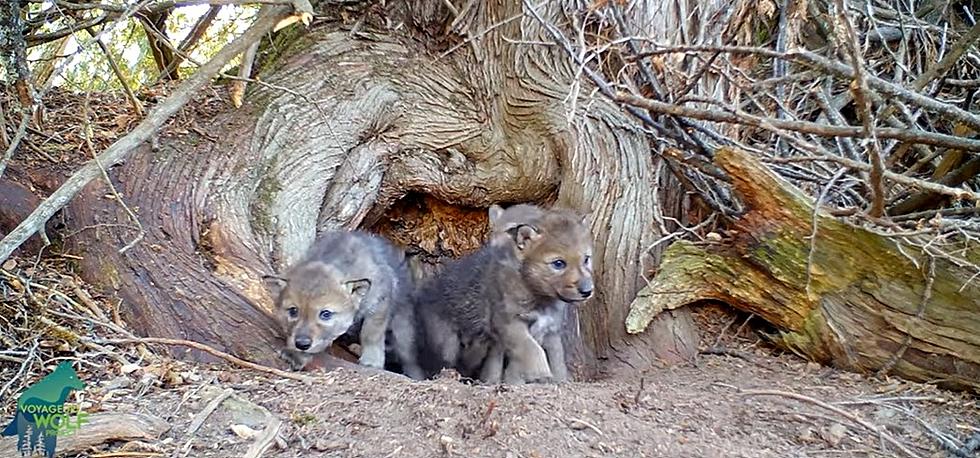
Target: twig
{"points": [[87, 128], [965, 211], [586, 424], [263, 442], [839, 69], [18, 137], [203, 415], [896, 177], [133, 101], [23, 367], [125, 145], [860, 89], [850, 416], [212, 351], [908, 135], [814, 220]]}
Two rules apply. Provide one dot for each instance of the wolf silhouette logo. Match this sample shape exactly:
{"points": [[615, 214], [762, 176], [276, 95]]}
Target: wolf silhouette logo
{"points": [[41, 408]]}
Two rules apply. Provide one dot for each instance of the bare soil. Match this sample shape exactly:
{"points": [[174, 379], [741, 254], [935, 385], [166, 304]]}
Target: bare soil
{"points": [[703, 408]]}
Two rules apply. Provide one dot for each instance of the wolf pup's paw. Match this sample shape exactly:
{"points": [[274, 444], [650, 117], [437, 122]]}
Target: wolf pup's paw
{"points": [[372, 358], [538, 375], [297, 361]]}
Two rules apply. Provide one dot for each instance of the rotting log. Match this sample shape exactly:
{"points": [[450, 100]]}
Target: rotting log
{"points": [[847, 297]]}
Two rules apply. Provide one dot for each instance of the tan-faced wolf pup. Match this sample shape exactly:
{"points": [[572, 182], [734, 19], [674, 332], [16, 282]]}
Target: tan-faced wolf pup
{"points": [[346, 283], [491, 299], [546, 320]]}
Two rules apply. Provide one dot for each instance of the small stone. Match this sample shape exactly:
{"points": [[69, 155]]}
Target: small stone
{"points": [[244, 431], [834, 435], [129, 368], [9, 265], [322, 445], [713, 237], [807, 436], [119, 383]]}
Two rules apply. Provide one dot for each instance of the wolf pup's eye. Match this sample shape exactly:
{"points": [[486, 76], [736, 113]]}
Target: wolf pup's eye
{"points": [[292, 312], [325, 315], [588, 260], [558, 264]]}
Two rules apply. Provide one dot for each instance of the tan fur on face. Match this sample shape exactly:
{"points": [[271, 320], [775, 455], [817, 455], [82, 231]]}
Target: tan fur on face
{"points": [[312, 288], [558, 237]]}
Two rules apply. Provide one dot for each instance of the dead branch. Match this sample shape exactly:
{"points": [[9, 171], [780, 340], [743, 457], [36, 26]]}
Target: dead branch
{"points": [[190, 41], [850, 416], [264, 441], [149, 126], [907, 135], [838, 69], [25, 119], [133, 101], [211, 351], [860, 90]]}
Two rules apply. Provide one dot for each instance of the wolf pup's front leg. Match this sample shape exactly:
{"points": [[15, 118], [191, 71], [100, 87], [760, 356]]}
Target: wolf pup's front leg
{"points": [[373, 338], [530, 364], [556, 356]]}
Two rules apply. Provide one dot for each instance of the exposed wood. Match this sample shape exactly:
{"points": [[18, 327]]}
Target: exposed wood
{"points": [[864, 303], [16, 203], [101, 428]]}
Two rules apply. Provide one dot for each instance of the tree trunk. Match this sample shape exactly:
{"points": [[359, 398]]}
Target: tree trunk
{"points": [[348, 129], [846, 296]]}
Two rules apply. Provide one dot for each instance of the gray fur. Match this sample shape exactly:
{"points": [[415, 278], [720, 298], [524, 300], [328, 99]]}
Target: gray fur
{"points": [[357, 276]]}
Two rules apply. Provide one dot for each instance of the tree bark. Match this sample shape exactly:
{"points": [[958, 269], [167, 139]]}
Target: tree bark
{"points": [[846, 296], [344, 129]]}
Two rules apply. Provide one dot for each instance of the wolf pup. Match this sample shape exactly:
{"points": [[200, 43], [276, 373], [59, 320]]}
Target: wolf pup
{"points": [[554, 287], [345, 284], [483, 302]]}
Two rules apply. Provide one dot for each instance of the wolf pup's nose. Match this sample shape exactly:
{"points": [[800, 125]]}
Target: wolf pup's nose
{"points": [[303, 342], [585, 289]]}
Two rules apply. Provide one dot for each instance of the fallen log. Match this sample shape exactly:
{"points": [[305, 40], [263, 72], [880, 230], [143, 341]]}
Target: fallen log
{"points": [[846, 297], [99, 429]]}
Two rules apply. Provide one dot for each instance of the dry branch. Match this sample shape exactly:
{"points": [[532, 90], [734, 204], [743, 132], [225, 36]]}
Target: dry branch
{"points": [[212, 351], [907, 135], [133, 101], [149, 126], [838, 69], [880, 431]]}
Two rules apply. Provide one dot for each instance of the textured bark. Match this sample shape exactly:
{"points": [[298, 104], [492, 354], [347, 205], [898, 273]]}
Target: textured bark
{"points": [[858, 300], [365, 126]]}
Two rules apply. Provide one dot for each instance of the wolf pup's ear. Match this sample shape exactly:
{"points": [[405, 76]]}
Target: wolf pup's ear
{"points": [[523, 234], [274, 283], [495, 212], [358, 288]]}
